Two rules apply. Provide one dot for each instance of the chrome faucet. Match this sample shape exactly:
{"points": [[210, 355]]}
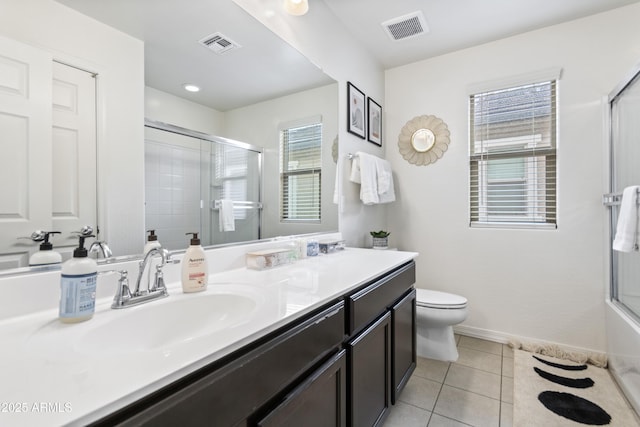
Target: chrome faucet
{"points": [[99, 247], [126, 298]]}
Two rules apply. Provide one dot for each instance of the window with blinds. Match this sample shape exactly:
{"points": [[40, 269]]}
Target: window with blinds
{"points": [[300, 173], [513, 156]]}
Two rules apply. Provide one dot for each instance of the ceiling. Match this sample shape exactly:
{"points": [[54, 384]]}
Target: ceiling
{"points": [[454, 24], [266, 67], [263, 68]]}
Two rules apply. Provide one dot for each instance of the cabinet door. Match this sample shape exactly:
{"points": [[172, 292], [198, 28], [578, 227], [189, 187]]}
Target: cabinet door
{"points": [[370, 378], [403, 342], [320, 401]]}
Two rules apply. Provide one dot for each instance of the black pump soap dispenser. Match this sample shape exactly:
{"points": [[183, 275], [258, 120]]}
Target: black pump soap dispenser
{"points": [[46, 255]]}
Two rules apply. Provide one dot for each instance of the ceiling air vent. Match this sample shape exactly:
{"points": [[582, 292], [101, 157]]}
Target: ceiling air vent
{"points": [[406, 26], [219, 43]]}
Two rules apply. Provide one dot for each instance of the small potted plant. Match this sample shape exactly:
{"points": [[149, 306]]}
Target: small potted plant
{"points": [[380, 239]]}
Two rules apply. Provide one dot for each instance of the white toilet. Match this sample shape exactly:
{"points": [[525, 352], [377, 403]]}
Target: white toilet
{"points": [[436, 313]]}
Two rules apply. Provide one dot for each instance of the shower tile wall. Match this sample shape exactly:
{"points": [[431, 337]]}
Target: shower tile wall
{"points": [[172, 192]]}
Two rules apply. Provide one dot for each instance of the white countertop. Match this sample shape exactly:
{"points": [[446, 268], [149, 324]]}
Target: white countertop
{"points": [[51, 373]]}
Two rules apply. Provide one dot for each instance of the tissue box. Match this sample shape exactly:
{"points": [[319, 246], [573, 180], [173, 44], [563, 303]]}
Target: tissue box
{"points": [[268, 258]]}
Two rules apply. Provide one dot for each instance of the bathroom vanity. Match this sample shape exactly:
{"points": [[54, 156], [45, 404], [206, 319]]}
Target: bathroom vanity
{"points": [[329, 340]]}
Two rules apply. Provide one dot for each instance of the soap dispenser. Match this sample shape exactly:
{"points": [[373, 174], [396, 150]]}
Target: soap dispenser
{"points": [[195, 272], [152, 242], [46, 255], [78, 286]]}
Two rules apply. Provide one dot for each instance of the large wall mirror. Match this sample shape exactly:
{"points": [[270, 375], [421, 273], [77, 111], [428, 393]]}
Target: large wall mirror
{"points": [[251, 94]]}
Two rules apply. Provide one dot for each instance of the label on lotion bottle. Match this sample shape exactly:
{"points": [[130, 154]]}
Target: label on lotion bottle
{"points": [[195, 273]]}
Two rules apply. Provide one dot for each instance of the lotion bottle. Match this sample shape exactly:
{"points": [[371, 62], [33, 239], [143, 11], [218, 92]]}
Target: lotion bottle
{"points": [[195, 272], [152, 242], [78, 286], [46, 255]]}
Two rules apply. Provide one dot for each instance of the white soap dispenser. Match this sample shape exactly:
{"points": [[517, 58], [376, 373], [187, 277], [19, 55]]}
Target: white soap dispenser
{"points": [[152, 242], [78, 286], [195, 272], [46, 255]]}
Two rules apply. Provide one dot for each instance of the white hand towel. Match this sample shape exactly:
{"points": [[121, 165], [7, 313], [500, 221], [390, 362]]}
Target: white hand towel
{"points": [[368, 179], [338, 199], [226, 219], [626, 238], [355, 169], [386, 193]]}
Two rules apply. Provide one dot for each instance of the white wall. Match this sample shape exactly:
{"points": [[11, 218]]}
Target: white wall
{"points": [[258, 125], [321, 37], [545, 285], [119, 61], [164, 107]]}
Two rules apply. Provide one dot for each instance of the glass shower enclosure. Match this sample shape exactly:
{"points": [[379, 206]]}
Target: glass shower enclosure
{"points": [[188, 174]]}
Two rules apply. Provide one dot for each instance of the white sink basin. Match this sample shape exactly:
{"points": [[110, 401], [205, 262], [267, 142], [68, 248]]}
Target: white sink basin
{"points": [[151, 327], [157, 325]]}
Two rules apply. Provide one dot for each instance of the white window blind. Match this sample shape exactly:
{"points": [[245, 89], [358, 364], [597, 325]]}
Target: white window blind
{"points": [[513, 156], [300, 172]]}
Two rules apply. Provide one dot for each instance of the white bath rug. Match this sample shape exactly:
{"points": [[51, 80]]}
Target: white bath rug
{"points": [[550, 392]]}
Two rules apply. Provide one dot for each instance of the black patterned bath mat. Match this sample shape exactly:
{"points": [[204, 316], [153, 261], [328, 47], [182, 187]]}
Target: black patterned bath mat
{"points": [[550, 392]]}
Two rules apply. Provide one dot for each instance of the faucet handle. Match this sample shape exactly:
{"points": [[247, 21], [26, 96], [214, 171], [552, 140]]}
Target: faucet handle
{"points": [[123, 293], [158, 282]]}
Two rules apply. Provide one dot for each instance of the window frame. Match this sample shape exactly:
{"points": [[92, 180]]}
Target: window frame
{"points": [[312, 172], [480, 213]]}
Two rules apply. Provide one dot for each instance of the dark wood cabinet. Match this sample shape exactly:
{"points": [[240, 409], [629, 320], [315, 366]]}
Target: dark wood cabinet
{"points": [[342, 365], [370, 375], [403, 343], [382, 345], [320, 401]]}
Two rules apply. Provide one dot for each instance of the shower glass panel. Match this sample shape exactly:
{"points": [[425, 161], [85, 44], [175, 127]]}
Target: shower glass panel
{"points": [[187, 174], [235, 175], [625, 171]]}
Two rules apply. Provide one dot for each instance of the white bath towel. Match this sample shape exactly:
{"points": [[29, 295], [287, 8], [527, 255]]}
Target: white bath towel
{"points": [[226, 218], [626, 238], [368, 179]]}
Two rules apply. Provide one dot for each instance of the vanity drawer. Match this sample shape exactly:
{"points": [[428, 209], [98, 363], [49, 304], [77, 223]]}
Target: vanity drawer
{"points": [[229, 395], [367, 304]]}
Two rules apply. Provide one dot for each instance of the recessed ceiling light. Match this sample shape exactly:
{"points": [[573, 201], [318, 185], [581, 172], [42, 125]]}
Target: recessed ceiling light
{"points": [[190, 88], [296, 7]]}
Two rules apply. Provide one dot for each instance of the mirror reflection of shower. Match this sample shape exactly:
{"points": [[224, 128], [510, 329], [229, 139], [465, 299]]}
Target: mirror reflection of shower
{"points": [[192, 179]]}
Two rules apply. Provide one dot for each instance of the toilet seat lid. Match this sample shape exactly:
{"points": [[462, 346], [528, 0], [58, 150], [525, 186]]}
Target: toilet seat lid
{"points": [[437, 299]]}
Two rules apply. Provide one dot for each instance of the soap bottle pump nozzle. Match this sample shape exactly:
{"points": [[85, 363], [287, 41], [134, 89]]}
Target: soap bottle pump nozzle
{"points": [[80, 251], [46, 245], [152, 236], [194, 240]]}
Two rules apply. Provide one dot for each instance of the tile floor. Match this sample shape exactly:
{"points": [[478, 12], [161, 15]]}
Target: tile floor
{"points": [[476, 390]]}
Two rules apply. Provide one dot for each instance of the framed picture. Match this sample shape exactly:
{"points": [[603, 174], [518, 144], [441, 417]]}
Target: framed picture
{"points": [[374, 122], [355, 110]]}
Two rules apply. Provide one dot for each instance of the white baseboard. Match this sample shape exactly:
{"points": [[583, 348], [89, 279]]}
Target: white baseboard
{"points": [[503, 338]]}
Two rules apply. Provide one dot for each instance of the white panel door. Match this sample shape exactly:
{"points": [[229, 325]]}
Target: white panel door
{"points": [[74, 155], [48, 151], [25, 148]]}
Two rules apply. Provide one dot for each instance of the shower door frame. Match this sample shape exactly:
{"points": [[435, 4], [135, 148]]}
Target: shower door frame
{"points": [[614, 197], [154, 124], [621, 323]]}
